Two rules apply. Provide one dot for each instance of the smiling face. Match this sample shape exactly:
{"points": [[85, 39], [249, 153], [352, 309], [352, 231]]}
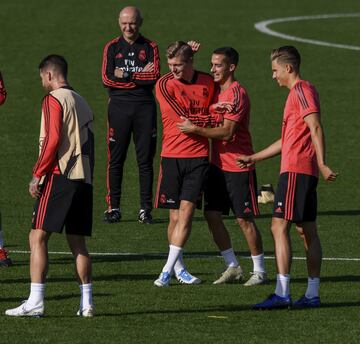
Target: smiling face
{"points": [[221, 69], [281, 72], [130, 22], [180, 68]]}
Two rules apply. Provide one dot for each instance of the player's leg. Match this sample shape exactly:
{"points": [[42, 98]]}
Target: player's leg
{"points": [[180, 184], [241, 188], [233, 272], [82, 260], [145, 131], [49, 215], [34, 305], [78, 226], [313, 250], [254, 241], [284, 213], [118, 139]]}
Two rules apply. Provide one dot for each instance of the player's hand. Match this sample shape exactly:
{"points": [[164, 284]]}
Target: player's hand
{"points": [[186, 126], [244, 161], [34, 187], [118, 72], [149, 67], [195, 46], [223, 107], [327, 173]]}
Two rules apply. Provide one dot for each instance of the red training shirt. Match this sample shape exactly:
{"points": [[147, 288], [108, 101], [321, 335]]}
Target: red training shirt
{"points": [[191, 100], [297, 152], [224, 153]]}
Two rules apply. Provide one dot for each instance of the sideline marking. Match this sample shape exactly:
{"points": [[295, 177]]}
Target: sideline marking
{"points": [[130, 254], [263, 27]]}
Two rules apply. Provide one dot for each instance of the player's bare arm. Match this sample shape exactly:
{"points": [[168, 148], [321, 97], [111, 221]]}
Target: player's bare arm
{"points": [[224, 132], [245, 160], [318, 140]]}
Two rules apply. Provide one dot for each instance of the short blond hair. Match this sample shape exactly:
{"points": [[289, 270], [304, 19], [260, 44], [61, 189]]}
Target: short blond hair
{"points": [[180, 48], [288, 55]]}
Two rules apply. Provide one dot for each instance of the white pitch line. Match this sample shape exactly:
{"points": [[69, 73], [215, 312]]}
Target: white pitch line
{"points": [[263, 27], [131, 254]]}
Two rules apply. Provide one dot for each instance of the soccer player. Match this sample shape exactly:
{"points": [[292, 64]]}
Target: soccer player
{"points": [[62, 185], [130, 69], [229, 186], [302, 149], [183, 92], [5, 261]]}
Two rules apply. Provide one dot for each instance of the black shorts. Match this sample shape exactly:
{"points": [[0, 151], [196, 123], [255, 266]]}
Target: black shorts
{"points": [[64, 202], [235, 190], [295, 197], [180, 179]]}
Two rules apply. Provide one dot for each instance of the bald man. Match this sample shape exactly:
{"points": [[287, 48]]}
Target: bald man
{"points": [[130, 69]]}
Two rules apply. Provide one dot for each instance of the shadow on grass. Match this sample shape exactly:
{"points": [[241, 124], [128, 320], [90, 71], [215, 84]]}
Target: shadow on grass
{"points": [[53, 298], [351, 212]]}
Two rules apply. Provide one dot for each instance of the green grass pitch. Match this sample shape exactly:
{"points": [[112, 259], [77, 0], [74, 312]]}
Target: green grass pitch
{"points": [[129, 309]]}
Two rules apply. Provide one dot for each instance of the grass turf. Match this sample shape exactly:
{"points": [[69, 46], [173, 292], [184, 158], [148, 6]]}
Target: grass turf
{"points": [[129, 308]]}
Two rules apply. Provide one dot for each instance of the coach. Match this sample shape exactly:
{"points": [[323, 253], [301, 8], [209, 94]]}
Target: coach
{"points": [[130, 69]]}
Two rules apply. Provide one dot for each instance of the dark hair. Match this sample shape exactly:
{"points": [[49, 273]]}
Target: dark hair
{"points": [[231, 54], [288, 55], [56, 63], [180, 48]]}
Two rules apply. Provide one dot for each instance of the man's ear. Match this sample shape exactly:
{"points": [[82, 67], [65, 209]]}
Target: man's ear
{"points": [[232, 67], [289, 68]]}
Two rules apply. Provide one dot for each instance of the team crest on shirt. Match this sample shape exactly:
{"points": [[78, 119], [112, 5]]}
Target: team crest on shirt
{"points": [[119, 56], [162, 199], [142, 55], [205, 92]]}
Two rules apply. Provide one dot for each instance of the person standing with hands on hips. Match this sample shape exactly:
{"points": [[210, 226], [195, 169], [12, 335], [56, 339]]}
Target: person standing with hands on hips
{"points": [[130, 69]]}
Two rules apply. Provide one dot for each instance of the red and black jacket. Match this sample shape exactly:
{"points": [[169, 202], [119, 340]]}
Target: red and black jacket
{"points": [[131, 58]]}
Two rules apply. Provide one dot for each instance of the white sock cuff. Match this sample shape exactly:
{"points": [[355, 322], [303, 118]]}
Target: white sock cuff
{"points": [[176, 248], [87, 286], [229, 250], [37, 286]]}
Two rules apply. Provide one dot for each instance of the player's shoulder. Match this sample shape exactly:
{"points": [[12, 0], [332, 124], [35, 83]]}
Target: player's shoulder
{"points": [[145, 40], [304, 87], [204, 75], [112, 42], [166, 78], [165, 81]]}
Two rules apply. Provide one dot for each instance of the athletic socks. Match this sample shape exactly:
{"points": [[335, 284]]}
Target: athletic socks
{"points": [[174, 253], [313, 287], [85, 296], [258, 263], [282, 285], [179, 265], [37, 294], [229, 257]]}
